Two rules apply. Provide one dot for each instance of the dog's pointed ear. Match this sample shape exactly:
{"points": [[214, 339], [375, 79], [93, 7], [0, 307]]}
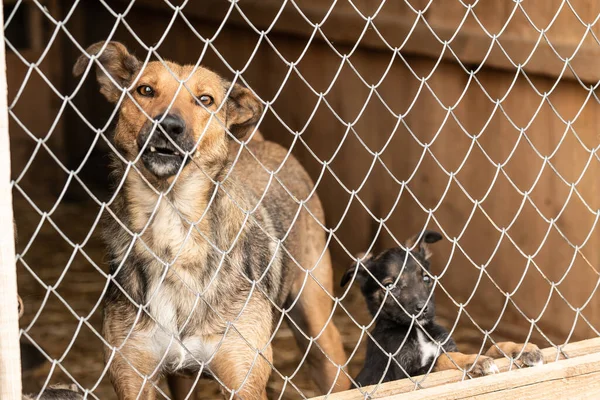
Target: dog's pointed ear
{"points": [[243, 111], [419, 243], [360, 271], [117, 61]]}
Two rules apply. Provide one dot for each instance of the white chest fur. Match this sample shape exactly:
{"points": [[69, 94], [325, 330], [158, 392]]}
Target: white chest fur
{"points": [[427, 348], [170, 231], [172, 304], [167, 343], [178, 353], [174, 221]]}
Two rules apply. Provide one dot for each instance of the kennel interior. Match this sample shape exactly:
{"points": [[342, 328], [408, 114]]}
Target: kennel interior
{"points": [[477, 119]]}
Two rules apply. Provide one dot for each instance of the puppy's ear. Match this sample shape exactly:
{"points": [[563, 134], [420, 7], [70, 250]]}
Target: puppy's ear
{"points": [[117, 61], [243, 111], [73, 387], [360, 272], [419, 243]]}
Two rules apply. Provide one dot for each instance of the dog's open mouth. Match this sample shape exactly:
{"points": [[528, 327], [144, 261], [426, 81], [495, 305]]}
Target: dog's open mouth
{"points": [[163, 151], [163, 159]]}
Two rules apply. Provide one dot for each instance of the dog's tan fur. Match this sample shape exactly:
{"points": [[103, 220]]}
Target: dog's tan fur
{"points": [[184, 227], [474, 364], [528, 354]]}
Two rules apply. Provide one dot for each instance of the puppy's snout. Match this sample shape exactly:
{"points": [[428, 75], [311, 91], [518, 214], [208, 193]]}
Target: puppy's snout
{"points": [[421, 306], [173, 125]]}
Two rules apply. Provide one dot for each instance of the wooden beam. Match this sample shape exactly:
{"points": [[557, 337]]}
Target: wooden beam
{"points": [[524, 381], [443, 378], [582, 386], [10, 357], [469, 46]]}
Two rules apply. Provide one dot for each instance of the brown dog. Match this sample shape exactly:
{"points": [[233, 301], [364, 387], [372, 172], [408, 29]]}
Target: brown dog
{"points": [[221, 247]]}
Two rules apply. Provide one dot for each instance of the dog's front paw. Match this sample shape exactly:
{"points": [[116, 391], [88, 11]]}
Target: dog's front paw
{"points": [[526, 355], [532, 356], [482, 366]]}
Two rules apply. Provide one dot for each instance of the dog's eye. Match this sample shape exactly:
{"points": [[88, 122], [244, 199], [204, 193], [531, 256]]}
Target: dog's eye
{"points": [[388, 283], [426, 278], [145, 90], [206, 100]]}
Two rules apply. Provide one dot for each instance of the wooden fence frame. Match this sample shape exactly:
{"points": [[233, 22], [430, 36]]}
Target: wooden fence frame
{"points": [[573, 370], [10, 356]]}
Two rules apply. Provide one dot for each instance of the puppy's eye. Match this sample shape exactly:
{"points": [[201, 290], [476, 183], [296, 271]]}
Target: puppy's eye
{"points": [[145, 90], [388, 283], [426, 278], [206, 100]]}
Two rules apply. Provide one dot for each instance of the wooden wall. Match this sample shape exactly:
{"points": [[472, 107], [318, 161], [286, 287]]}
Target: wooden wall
{"points": [[479, 204], [35, 107]]}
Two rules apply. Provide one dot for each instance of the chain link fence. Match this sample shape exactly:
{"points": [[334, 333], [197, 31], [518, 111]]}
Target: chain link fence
{"points": [[474, 119]]}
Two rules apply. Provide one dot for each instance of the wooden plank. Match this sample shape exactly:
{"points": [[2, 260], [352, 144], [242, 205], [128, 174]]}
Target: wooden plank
{"points": [[573, 350], [585, 386], [10, 358], [469, 45], [573, 367]]}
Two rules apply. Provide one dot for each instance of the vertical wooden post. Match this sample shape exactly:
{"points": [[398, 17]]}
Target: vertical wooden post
{"points": [[10, 358]]}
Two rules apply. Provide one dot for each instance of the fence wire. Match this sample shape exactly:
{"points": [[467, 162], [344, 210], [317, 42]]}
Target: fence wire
{"points": [[87, 317]]}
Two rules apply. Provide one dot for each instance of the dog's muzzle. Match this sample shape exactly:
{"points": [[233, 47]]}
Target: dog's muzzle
{"points": [[162, 156]]}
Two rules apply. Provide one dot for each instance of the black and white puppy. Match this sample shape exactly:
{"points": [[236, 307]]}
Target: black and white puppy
{"points": [[398, 289]]}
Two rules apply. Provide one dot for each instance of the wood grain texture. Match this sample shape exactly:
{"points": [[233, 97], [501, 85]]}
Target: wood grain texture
{"points": [[468, 43], [521, 382], [585, 386]]}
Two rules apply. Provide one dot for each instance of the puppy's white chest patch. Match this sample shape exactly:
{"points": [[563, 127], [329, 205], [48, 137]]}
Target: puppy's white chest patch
{"points": [[427, 348]]}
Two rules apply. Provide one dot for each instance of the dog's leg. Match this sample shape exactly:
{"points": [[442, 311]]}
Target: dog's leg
{"points": [[474, 365], [531, 355], [127, 381], [244, 357], [132, 368], [312, 315]]}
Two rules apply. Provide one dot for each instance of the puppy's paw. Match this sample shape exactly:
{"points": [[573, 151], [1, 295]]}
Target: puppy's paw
{"points": [[482, 366], [531, 356]]}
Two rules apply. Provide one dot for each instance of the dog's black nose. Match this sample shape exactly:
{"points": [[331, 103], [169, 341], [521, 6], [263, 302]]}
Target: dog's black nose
{"points": [[421, 306], [173, 125]]}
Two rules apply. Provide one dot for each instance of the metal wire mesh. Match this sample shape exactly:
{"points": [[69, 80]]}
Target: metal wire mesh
{"points": [[50, 215]]}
